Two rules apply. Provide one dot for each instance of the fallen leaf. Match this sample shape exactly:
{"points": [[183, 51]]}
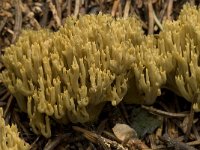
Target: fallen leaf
{"points": [[143, 122], [124, 132]]}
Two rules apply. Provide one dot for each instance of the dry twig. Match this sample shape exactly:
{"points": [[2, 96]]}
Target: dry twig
{"points": [[176, 144], [55, 13], [127, 8], [164, 113], [169, 9], [150, 17], [18, 20], [115, 8], [77, 7]]}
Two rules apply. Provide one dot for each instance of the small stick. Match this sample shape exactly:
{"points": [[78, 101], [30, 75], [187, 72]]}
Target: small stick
{"points": [[3, 23], [157, 21], [191, 115], [53, 143], [2, 104], [69, 7], [127, 8], [176, 144], [169, 9], [5, 96], [163, 11], [115, 8], [18, 20], [151, 18], [125, 113], [10, 99], [196, 133], [54, 12], [43, 21], [192, 2], [96, 138], [193, 143], [19, 124], [164, 113], [77, 8], [58, 8]]}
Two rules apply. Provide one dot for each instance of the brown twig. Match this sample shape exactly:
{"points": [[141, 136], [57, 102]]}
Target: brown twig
{"points": [[5, 96], [69, 7], [192, 2], [150, 17], [127, 8], [95, 138], [164, 113], [176, 144], [10, 99], [77, 8], [2, 104], [17, 121], [193, 143], [196, 133], [157, 21], [169, 9], [52, 143], [43, 21], [163, 11], [3, 22], [191, 115], [18, 20], [54, 12], [115, 7], [58, 8], [125, 113]]}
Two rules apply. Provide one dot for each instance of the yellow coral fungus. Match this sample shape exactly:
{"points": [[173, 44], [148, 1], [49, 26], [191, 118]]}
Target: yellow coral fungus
{"points": [[70, 74], [9, 137], [149, 72], [181, 38]]}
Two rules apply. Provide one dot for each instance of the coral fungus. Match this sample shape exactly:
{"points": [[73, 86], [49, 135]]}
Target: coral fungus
{"points": [[70, 74], [9, 137]]}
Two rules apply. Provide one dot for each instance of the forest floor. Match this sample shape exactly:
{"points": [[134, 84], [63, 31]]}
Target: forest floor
{"points": [[169, 124]]}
